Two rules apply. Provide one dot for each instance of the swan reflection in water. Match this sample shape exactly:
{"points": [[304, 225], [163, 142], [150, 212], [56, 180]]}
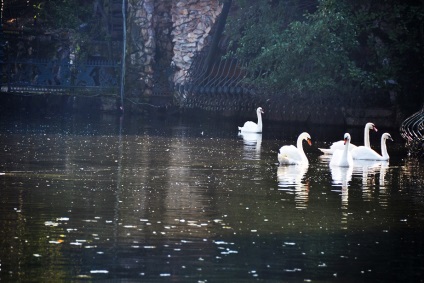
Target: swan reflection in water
{"points": [[291, 178], [369, 169], [371, 174], [383, 170], [341, 177], [251, 145]]}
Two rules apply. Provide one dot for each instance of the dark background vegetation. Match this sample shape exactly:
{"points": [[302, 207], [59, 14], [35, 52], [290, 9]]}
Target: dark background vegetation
{"points": [[345, 51], [353, 52]]}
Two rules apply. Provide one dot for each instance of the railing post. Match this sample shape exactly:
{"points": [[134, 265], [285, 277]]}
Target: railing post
{"points": [[124, 47]]}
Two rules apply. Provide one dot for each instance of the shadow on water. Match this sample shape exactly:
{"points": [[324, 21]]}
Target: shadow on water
{"points": [[183, 199]]}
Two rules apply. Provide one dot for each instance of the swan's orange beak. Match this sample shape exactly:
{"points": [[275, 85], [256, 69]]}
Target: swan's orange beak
{"points": [[375, 129], [345, 140], [309, 141]]}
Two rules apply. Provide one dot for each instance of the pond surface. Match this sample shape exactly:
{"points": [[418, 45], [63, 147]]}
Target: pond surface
{"points": [[188, 200]]}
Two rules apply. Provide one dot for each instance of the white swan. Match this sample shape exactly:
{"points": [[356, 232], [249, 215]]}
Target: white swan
{"points": [[340, 144], [365, 153], [290, 154], [342, 158], [252, 127]]}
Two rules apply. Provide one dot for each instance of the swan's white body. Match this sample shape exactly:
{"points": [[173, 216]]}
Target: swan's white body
{"points": [[252, 127], [342, 158], [340, 144], [290, 154], [365, 153]]}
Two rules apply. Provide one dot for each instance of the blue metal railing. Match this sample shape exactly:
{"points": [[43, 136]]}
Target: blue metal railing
{"points": [[41, 63]]}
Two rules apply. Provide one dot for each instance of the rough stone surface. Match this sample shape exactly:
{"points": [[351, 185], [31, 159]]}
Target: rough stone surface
{"points": [[164, 33]]}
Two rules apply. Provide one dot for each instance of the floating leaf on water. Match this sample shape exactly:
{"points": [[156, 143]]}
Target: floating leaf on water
{"points": [[149, 247], [99, 271], [51, 223], [293, 270], [130, 226], [83, 276], [228, 251]]}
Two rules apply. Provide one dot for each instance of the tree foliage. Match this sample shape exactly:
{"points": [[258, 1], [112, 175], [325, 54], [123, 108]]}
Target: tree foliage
{"points": [[63, 13], [337, 49]]}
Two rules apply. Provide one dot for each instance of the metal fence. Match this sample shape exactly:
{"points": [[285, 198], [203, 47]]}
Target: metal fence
{"points": [[221, 86], [32, 64], [412, 130]]}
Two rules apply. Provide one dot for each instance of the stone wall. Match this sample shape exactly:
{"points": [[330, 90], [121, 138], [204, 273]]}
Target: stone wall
{"points": [[165, 33], [141, 45], [192, 23]]}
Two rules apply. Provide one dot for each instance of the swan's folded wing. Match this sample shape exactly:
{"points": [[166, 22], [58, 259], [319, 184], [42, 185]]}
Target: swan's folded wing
{"points": [[291, 153], [365, 153], [339, 145], [249, 126], [288, 149], [337, 156]]}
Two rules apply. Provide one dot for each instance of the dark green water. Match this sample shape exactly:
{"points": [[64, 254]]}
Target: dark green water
{"points": [[187, 200]]}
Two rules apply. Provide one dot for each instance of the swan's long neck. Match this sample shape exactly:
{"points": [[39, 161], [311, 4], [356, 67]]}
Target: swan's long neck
{"points": [[346, 151], [299, 143], [367, 136], [384, 152], [300, 148], [259, 121]]}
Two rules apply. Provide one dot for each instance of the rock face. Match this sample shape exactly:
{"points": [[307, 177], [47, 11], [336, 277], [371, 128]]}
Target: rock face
{"points": [[192, 23], [165, 33]]}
